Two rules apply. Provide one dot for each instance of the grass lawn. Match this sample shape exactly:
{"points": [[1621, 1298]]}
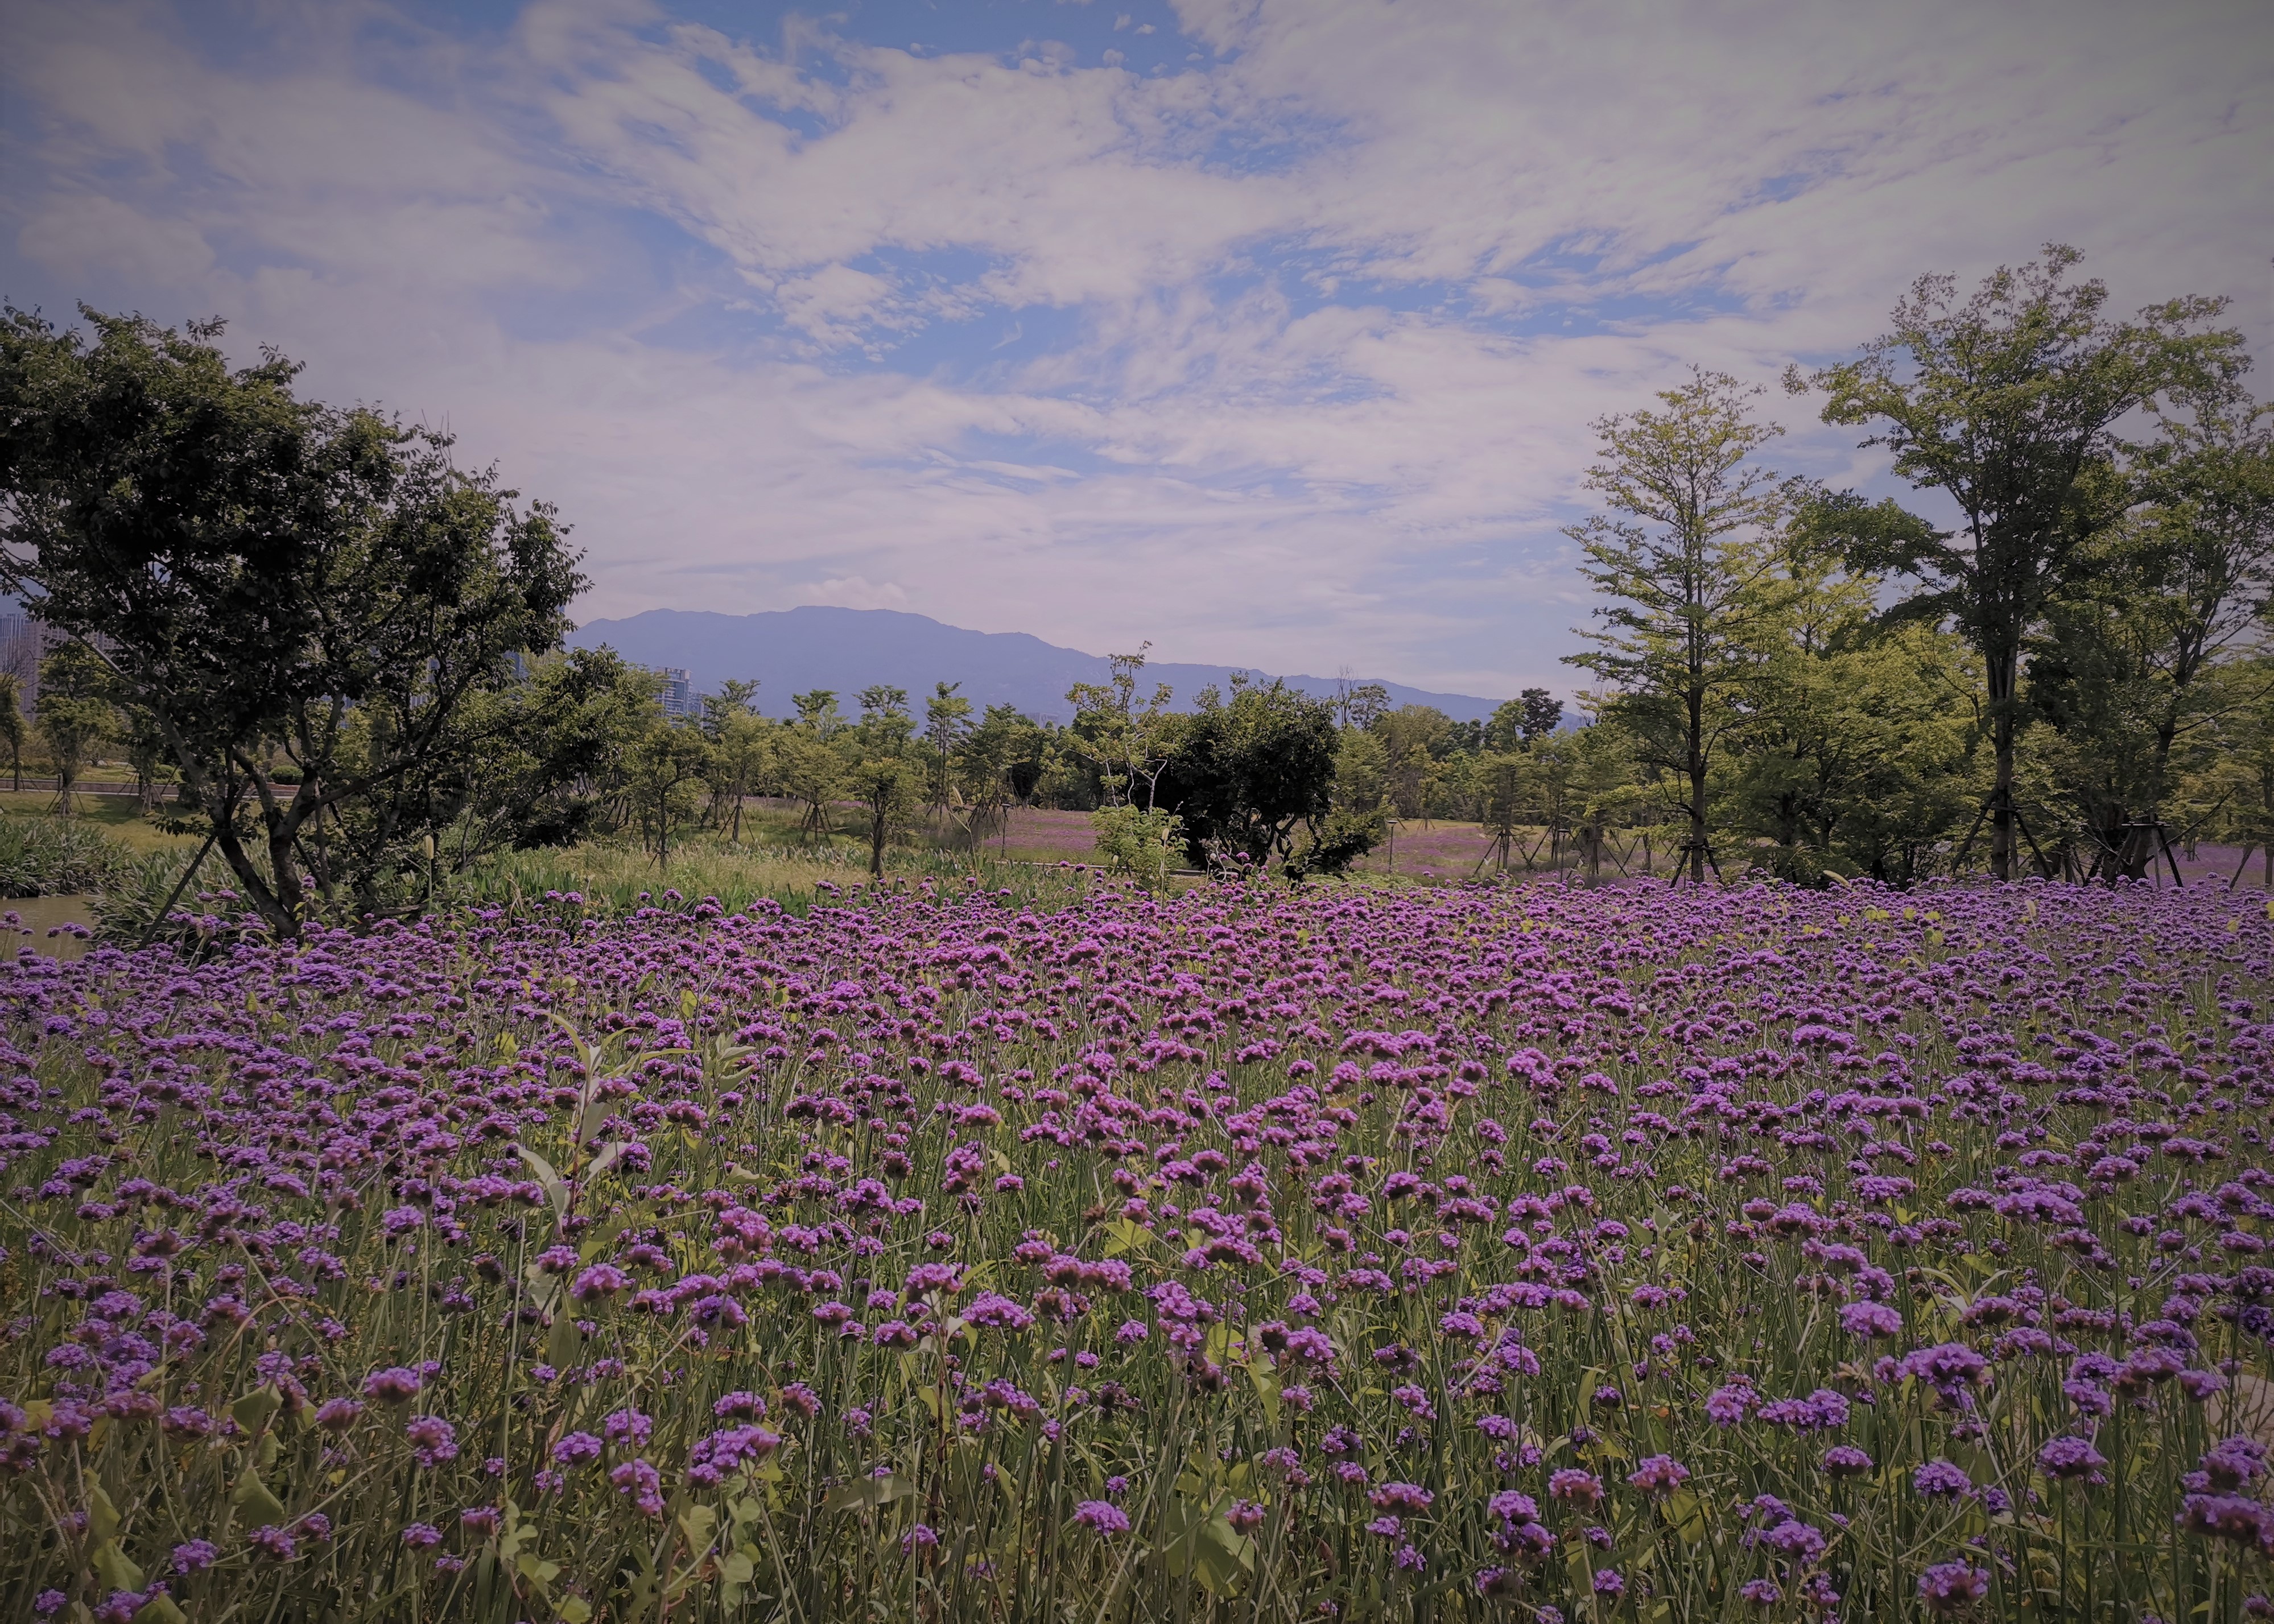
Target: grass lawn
{"points": [[118, 817]]}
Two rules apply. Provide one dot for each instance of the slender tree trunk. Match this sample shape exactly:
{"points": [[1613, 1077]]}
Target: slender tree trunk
{"points": [[1696, 742], [1697, 816], [2003, 670]]}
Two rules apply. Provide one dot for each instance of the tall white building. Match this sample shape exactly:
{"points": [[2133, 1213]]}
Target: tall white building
{"points": [[679, 696]]}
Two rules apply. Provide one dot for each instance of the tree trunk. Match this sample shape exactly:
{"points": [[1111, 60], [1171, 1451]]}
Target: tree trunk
{"points": [[877, 821], [1697, 817], [2002, 670]]}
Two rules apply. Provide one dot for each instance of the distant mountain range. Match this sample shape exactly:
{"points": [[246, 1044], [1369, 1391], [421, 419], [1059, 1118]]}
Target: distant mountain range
{"points": [[791, 650]]}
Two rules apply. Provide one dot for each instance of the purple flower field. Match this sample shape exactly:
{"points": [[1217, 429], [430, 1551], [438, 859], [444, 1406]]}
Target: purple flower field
{"points": [[1539, 1254]]}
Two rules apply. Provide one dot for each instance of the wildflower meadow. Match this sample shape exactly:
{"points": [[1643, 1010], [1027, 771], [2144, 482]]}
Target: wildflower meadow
{"points": [[1254, 1253]]}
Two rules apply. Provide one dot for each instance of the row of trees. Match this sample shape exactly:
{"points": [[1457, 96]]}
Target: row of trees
{"points": [[343, 648], [2067, 673], [2074, 658]]}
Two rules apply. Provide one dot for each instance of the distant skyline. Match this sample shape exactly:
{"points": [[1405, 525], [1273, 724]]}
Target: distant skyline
{"points": [[1268, 330]]}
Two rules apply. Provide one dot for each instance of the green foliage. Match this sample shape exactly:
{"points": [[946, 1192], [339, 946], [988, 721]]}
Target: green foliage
{"points": [[663, 772], [948, 724], [1128, 740], [2003, 403], [889, 790], [1531, 716], [73, 714], [1248, 771], [1415, 740], [817, 712], [1339, 840], [49, 857], [1689, 583], [267, 575], [1141, 845], [11, 724], [810, 772]]}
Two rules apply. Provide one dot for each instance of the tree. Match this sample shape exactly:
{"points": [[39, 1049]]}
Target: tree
{"points": [[2174, 584], [887, 788], [73, 714], [1501, 801], [1413, 738], [1359, 704], [1542, 714], [816, 710], [146, 752], [663, 770], [990, 762], [12, 726], [569, 729], [1137, 843], [1358, 812], [742, 750], [2002, 403], [263, 573], [1690, 582], [557, 769], [811, 772], [886, 725], [1248, 771], [1130, 741], [947, 721]]}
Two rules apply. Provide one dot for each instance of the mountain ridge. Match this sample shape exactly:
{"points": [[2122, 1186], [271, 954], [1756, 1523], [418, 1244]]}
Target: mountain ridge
{"points": [[790, 650]]}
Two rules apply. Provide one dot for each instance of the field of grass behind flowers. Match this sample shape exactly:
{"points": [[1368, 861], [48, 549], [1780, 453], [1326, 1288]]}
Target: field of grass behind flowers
{"points": [[1245, 1253]]}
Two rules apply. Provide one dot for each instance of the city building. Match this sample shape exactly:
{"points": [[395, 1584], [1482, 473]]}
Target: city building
{"points": [[679, 696]]}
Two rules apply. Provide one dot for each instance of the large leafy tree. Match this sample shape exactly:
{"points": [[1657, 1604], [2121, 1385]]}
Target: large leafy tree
{"points": [[1248, 771], [2128, 664], [1689, 581], [1856, 732], [264, 574], [2002, 402]]}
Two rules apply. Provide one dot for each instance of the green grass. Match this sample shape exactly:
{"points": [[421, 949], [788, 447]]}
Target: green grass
{"points": [[117, 816]]}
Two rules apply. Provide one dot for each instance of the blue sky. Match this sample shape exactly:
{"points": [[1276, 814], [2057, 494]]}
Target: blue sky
{"points": [[1268, 330]]}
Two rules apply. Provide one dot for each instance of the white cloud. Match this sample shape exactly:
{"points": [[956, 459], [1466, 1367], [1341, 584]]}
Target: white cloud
{"points": [[1267, 360]]}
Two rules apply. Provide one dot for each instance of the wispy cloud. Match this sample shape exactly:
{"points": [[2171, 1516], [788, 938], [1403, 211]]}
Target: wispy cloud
{"points": [[1272, 336]]}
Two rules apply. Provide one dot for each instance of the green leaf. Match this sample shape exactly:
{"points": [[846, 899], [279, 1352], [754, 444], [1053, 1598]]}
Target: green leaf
{"points": [[868, 1493], [555, 1190], [102, 1518], [575, 1610], [1688, 1515], [700, 1524], [1127, 1234], [159, 1609], [251, 1496], [736, 1568], [543, 1289], [253, 1410], [112, 1567], [564, 1343]]}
